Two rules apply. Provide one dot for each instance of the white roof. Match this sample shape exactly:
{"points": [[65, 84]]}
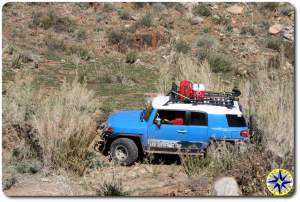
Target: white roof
{"points": [[160, 101]]}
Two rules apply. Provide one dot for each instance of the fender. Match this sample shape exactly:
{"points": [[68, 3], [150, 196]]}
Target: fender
{"points": [[109, 138]]}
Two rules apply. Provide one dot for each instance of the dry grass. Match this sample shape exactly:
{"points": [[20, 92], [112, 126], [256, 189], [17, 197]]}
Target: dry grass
{"points": [[65, 128], [271, 98], [60, 124], [19, 102], [181, 67]]}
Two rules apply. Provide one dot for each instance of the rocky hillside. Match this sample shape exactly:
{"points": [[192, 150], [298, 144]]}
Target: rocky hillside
{"points": [[122, 54]]}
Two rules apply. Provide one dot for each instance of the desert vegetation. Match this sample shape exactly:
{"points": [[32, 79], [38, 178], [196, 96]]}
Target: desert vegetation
{"points": [[67, 66]]}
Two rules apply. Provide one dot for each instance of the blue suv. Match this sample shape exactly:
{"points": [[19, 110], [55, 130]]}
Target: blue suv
{"points": [[170, 127]]}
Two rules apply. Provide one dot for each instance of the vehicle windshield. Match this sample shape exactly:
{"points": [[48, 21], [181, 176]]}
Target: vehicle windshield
{"points": [[147, 112]]}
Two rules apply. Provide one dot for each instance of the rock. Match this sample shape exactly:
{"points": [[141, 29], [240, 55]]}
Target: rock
{"points": [[134, 17], [226, 186], [275, 29], [288, 33], [45, 179], [196, 20], [127, 25], [235, 9], [133, 174], [28, 56]]}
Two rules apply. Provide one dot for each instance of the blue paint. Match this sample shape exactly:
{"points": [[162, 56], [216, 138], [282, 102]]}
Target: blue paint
{"points": [[132, 123]]}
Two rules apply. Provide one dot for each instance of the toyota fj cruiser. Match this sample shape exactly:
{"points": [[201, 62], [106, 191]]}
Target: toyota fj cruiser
{"points": [[185, 121]]}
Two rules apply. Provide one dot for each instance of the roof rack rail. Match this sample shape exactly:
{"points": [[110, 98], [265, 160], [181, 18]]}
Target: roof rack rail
{"points": [[208, 98]]}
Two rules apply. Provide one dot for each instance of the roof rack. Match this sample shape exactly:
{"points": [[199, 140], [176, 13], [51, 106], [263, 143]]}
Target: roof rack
{"points": [[209, 98]]}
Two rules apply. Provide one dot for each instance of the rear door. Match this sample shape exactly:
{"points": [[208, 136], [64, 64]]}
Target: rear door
{"points": [[197, 136]]}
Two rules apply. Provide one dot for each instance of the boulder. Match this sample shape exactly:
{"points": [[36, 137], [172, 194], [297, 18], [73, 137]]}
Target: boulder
{"points": [[226, 186], [235, 9], [275, 29], [196, 20]]}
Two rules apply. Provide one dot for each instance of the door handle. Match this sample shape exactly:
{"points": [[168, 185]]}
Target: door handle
{"points": [[181, 131]]}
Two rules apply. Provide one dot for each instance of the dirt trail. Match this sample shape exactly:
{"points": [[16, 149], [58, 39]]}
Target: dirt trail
{"points": [[137, 180]]}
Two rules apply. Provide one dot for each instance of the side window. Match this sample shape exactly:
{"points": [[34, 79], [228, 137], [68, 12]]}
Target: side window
{"points": [[198, 119], [235, 121], [172, 117]]}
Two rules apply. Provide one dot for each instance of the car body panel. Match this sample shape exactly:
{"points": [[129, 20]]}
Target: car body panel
{"points": [[127, 122], [173, 137]]}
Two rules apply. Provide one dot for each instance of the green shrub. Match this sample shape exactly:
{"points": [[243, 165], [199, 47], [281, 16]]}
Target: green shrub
{"points": [[100, 17], [108, 6], [80, 34], [79, 50], [248, 30], [51, 20], [9, 48], [202, 9], [145, 21], [16, 61], [207, 42], [206, 46], [229, 28], [264, 24], [115, 36], [201, 54], [83, 5], [205, 30], [221, 20], [131, 57], [8, 180], [55, 44], [111, 189], [274, 43], [182, 46], [271, 6], [287, 10], [178, 6], [158, 7], [219, 62], [27, 168], [139, 4], [98, 29], [124, 14], [194, 165]]}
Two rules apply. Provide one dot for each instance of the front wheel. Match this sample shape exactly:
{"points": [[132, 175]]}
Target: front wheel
{"points": [[124, 151]]}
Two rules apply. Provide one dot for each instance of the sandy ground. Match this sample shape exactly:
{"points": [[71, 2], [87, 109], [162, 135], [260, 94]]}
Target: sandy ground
{"points": [[141, 179]]}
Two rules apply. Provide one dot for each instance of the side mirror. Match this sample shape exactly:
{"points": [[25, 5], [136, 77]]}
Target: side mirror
{"points": [[157, 122]]}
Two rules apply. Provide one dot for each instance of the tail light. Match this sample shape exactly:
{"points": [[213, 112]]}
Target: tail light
{"points": [[108, 130], [245, 133]]}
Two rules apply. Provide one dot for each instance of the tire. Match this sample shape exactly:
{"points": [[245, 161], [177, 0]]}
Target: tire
{"points": [[124, 151]]}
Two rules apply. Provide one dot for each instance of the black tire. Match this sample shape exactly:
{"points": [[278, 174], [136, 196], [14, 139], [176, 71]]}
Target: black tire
{"points": [[124, 151]]}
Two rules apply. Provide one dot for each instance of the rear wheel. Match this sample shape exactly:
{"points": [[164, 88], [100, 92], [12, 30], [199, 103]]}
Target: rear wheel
{"points": [[124, 151]]}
